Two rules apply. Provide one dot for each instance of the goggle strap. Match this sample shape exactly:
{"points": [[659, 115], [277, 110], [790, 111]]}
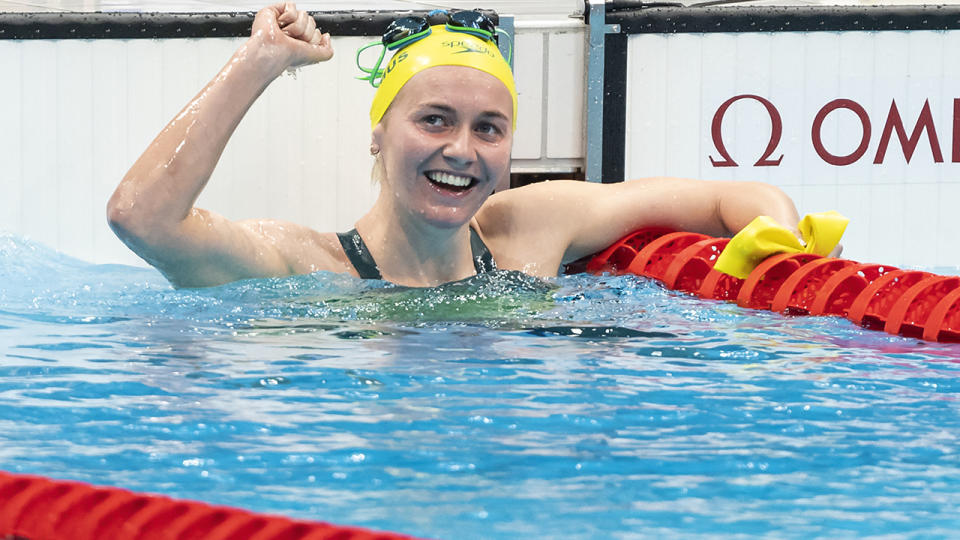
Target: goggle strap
{"points": [[482, 34], [375, 74], [400, 43]]}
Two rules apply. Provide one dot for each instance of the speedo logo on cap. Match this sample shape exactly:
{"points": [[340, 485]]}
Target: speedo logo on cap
{"points": [[462, 47]]}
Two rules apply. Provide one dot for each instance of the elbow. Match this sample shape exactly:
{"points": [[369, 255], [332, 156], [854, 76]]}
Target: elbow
{"points": [[131, 220], [739, 203], [779, 205], [120, 215]]}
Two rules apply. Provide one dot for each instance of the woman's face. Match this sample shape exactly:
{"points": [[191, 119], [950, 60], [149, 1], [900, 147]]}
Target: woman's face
{"points": [[445, 143]]}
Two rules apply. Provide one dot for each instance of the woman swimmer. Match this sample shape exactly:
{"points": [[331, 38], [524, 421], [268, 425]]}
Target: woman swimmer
{"points": [[442, 134]]}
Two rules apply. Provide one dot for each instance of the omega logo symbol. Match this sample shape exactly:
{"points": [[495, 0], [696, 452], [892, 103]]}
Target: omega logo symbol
{"points": [[775, 133], [892, 124]]}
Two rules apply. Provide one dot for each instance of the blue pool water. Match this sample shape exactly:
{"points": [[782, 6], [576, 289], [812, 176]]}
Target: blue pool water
{"points": [[583, 407]]}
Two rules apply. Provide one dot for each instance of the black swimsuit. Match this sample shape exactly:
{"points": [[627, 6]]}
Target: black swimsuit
{"points": [[363, 262]]}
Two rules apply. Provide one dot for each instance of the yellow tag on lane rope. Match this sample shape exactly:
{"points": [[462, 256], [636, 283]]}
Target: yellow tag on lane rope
{"points": [[764, 237]]}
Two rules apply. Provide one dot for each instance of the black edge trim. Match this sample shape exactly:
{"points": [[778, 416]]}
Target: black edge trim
{"points": [[181, 25], [614, 108], [669, 20], [626, 5]]}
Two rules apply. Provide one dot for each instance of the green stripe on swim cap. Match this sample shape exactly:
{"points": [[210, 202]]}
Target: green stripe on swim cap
{"points": [[441, 48]]}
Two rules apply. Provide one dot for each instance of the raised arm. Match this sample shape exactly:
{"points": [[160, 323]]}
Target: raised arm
{"points": [[152, 209]]}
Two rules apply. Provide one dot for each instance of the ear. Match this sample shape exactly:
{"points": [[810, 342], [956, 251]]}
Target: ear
{"points": [[376, 137]]}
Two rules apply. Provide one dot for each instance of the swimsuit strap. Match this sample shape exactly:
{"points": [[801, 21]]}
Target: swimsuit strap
{"points": [[359, 255], [482, 258], [363, 262]]}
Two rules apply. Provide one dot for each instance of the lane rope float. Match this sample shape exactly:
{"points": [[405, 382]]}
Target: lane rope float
{"points": [[37, 508], [910, 303]]}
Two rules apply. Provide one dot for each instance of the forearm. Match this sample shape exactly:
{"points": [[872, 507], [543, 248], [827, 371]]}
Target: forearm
{"points": [[607, 212], [715, 208], [161, 187]]}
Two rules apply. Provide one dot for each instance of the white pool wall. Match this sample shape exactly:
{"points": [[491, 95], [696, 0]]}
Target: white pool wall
{"points": [[901, 213], [77, 113]]}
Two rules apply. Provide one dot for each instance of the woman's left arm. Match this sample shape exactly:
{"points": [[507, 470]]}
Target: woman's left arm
{"points": [[582, 218]]}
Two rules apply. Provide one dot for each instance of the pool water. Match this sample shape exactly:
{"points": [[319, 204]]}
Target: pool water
{"points": [[503, 406]]}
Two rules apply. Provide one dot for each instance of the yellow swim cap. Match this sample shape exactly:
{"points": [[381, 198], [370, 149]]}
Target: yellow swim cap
{"points": [[441, 48]]}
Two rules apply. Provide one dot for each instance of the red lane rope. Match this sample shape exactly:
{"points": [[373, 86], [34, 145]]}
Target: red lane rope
{"points": [[37, 508], [906, 302]]}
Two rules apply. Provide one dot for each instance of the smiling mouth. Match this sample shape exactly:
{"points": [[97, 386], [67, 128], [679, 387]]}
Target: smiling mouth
{"points": [[452, 182]]}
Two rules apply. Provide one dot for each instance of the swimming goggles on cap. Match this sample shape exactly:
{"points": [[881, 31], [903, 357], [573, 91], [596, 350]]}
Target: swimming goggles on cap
{"points": [[406, 30]]}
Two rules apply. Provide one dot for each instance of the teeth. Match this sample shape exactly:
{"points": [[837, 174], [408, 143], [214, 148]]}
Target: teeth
{"points": [[451, 179]]}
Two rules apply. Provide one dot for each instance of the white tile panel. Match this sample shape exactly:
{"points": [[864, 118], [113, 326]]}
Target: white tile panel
{"points": [[39, 127], [319, 188], [528, 67], [110, 149], [886, 240], [947, 231], [646, 148], [355, 192], [283, 155], [815, 197], [565, 94], [11, 177], [74, 156], [680, 119], [858, 208], [920, 238], [713, 66], [800, 73]]}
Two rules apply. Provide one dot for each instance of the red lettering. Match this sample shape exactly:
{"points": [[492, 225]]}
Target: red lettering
{"points": [[925, 122], [824, 154], [776, 132]]}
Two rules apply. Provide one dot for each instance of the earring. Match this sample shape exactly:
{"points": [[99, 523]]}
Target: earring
{"points": [[374, 149]]}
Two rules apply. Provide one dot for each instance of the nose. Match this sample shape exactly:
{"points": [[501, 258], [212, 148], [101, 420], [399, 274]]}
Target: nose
{"points": [[459, 150]]}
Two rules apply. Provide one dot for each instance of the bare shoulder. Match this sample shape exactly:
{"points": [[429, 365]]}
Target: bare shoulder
{"points": [[303, 249], [527, 206], [523, 226]]}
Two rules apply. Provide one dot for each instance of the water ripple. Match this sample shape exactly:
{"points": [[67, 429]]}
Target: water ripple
{"points": [[579, 407]]}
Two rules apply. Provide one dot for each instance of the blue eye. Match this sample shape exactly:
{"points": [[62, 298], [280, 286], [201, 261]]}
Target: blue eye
{"points": [[434, 120], [488, 129]]}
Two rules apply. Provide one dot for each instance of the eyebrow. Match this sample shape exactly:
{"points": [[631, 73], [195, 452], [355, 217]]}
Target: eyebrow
{"points": [[450, 110]]}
